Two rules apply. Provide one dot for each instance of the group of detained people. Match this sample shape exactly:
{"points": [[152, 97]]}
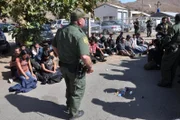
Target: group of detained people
{"points": [[31, 64], [101, 47], [37, 62]]}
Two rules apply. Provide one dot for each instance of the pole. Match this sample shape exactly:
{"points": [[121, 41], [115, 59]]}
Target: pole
{"points": [[142, 5], [142, 10], [89, 25], [158, 4]]}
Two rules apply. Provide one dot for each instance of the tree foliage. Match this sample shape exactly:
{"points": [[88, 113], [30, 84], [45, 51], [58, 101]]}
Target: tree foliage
{"points": [[3, 6], [30, 14], [62, 8]]}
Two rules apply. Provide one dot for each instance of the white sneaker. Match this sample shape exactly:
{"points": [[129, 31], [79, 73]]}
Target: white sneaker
{"points": [[114, 53], [106, 55], [10, 80]]}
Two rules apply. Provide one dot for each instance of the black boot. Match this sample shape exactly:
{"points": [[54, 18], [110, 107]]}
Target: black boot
{"points": [[80, 114]]}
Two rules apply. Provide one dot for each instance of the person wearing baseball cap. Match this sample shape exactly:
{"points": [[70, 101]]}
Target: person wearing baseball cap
{"points": [[171, 57], [77, 14], [72, 47]]}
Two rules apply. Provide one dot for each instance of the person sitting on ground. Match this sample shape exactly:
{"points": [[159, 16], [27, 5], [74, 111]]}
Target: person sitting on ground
{"points": [[110, 45], [37, 64], [24, 66], [37, 51], [121, 48], [102, 47], [101, 41], [102, 38], [128, 45], [36, 54], [138, 48], [49, 69], [101, 44], [140, 40], [154, 56], [13, 64], [93, 37], [46, 47], [25, 74], [95, 51], [118, 39], [24, 47]]}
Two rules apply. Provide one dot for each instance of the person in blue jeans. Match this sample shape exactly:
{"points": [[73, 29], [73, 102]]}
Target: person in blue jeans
{"points": [[25, 74]]}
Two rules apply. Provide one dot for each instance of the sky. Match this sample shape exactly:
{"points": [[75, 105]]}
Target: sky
{"points": [[125, 1]]}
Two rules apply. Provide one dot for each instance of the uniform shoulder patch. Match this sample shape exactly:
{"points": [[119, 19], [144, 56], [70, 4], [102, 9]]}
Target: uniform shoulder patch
{"points": [[85, 39]]}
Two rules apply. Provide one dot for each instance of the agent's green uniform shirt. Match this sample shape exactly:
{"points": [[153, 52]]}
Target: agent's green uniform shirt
{"points": [[176, 33], [71, 42]]}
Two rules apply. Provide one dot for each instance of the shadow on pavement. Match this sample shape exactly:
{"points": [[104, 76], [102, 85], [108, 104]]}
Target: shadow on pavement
{"points": [[6, 75], [28, 104], [148, 101], [4, 62]]}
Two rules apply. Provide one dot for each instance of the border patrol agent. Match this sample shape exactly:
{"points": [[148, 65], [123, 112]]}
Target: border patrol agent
{"points": [[171, 55], [136, 26], [163, 27], [149, 27], [72, 46]]}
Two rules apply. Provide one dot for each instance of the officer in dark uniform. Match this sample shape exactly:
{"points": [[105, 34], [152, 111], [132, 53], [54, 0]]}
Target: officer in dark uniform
{"points": [[163, 27], [72, 47], [149, 25], [136, 26], [171, 55]]}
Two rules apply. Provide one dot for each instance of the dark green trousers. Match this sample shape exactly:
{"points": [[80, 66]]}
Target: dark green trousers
{"points": [[136, 30], [149, 31], [75, 88], [169, 65]]}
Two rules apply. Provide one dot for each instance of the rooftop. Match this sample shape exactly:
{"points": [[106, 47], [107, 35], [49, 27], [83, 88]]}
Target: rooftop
{"points": [[112, 5]]}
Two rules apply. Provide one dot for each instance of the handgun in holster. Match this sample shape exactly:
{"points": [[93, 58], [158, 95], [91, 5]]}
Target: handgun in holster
{"points": [[81, 70]]}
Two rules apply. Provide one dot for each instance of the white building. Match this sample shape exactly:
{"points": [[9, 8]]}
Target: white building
{"points": [[109, 11]]}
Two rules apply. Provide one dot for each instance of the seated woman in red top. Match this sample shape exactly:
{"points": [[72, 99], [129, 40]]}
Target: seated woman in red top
{"points": [[25, 74], [24, 66], [95, 51]]}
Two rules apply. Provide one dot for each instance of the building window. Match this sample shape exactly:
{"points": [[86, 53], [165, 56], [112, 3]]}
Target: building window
{"points": [[111, 17], [105, 18]]}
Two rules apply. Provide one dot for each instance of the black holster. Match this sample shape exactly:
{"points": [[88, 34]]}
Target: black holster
{"points": [[81, 70]]}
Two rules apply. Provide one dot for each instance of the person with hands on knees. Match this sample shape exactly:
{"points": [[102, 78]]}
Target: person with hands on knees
{"points": [[49, 72], [25, 74], [24, 66]]}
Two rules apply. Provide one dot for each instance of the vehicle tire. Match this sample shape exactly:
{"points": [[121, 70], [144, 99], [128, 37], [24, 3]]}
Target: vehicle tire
{"points": [[8, 48]]}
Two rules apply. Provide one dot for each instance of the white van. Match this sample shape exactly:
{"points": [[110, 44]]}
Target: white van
{"points": [[59, 23]]}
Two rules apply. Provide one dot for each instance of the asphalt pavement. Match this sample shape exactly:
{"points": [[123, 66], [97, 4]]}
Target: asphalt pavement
{"points": [[143, 100]]}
